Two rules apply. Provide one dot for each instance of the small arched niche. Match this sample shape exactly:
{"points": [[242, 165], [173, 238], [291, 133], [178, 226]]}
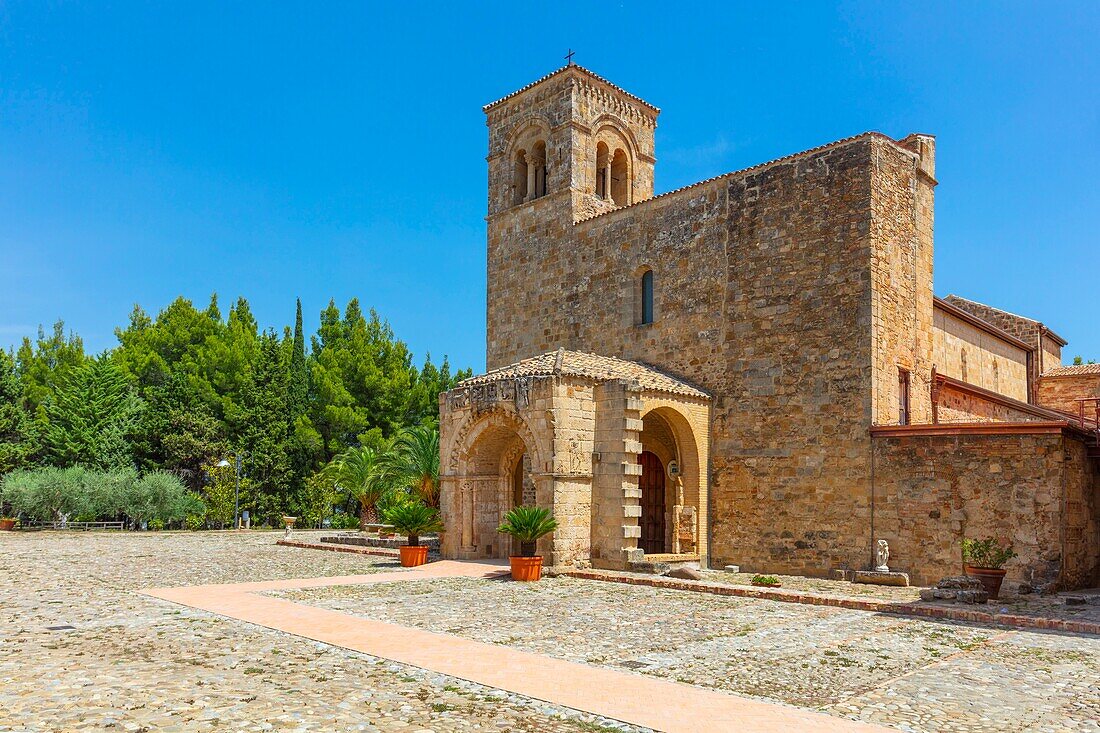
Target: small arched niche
{"points": [[620, 178]]}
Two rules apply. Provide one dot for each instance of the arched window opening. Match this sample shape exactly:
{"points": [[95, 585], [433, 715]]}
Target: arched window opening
{"points": [[603, 171], [646, 298], [519, 180], [620, 179], [538, 184]]}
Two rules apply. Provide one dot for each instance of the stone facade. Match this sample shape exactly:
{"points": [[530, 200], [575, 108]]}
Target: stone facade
{"points": [[1063, 388], [980, 354], [1031, 487], [575, 425], [796, 293]]}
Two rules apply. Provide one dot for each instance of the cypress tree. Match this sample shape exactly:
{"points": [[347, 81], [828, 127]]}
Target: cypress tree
{"points": [[298, 390]]}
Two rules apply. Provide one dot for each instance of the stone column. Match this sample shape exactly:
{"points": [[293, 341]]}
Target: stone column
{"points": [[607, 177], [532, 166]]}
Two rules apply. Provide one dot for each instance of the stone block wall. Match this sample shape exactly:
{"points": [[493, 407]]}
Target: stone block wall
{"points": [[977, 357], [761, 298], [616, 498], [933, 490], [1082, 517], [573, 429], [901, 298], [1062, 392], [1048, 349], [964, 406]]}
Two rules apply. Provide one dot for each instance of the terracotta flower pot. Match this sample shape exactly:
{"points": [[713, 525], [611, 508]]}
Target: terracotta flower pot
{"points": [[7, 525], [413, 555], [991, 578], [767, 585], [526, 568]]}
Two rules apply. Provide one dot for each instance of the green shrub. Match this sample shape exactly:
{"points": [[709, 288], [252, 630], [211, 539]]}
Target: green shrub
{"points": [[49, 494], [987, 553], [343, 520], [414, 519], [195, 522], [527, 524], [768, 580]]}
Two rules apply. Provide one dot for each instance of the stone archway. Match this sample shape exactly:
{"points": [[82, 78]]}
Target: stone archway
{"points": [[668, 436], [491, 467]]}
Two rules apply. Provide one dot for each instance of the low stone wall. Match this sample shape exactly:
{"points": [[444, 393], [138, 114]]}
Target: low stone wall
{"points": [[961, 406], [361, 540], [1033, 488]]}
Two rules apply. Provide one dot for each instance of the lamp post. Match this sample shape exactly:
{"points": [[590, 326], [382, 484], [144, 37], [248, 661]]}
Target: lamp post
{"points": [[236, 489]]}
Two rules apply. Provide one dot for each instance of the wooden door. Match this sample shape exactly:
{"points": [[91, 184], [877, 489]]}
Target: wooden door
{"points": [[653, 504]]}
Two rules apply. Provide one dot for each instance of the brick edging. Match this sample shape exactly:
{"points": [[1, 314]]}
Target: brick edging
{"points": [[379, 551], [858, 604]]}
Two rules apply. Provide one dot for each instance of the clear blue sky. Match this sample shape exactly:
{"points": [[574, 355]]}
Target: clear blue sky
{"points": [[326, 150]]}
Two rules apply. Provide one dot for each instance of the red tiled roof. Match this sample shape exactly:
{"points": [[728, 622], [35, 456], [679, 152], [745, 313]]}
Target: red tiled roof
{"points": [[784, 159], [1072, 370], [563, 69], [592, 366]]}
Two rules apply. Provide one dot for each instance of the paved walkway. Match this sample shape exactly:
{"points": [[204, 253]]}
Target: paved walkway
{"points": [[631, 698]]}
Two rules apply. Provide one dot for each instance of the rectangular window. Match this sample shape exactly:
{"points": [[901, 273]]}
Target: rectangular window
{"points": [[903, 397], [647, 297]]}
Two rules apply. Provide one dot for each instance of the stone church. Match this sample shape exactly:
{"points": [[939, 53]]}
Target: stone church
{"points": [[752, 369]]}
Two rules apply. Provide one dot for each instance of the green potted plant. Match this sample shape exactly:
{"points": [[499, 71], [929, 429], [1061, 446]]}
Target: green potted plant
{"points": [[527, 524], [985, 560], [413, 519], [766, 581]]}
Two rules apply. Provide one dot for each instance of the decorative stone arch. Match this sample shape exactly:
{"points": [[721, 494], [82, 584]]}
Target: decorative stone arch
{"points": [[670, 430], [533, 126], [478, 491], [527, 154], [476, 425], [609, 127]]}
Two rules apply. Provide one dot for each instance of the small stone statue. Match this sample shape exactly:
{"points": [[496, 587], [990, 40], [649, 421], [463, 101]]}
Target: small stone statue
{"points": [[882, 556]]}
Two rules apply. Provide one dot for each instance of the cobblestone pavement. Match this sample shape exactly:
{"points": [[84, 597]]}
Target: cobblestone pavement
{"points": [[134, 663], [916, 675]]}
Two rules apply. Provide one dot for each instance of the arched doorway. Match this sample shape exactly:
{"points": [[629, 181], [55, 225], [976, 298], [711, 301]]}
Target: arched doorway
{"points": [[652, 484]]}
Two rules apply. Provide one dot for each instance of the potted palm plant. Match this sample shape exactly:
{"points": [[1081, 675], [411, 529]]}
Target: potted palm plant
{"points": [[413, 519], [985, 560], [527, 524]]}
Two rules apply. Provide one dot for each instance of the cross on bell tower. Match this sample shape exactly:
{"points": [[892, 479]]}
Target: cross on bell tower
{"points": [[569, 57]]}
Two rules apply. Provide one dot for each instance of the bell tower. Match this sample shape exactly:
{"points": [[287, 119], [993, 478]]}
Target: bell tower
{"points": [[572, 138]]}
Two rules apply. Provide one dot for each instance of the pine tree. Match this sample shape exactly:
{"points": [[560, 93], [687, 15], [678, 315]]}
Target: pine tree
{"points": [[15, 423], [91, 416], [264, 430]]}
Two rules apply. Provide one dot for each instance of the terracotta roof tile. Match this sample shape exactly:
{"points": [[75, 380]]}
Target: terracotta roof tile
{"points": [[581, 69], [591, 366], [1072, 370], [750, 169]]}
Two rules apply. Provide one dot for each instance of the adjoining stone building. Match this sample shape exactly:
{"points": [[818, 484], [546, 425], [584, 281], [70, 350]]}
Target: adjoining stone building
{"points": [[752, 369]]}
